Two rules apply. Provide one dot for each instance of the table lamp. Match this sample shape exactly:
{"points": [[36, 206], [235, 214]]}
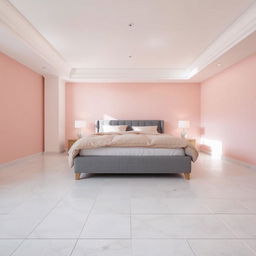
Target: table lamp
{"points": [[80, 124], [183, 124]]}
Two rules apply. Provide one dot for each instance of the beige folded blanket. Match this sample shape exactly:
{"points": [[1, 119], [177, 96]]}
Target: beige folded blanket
{"points": [[130, 139]]}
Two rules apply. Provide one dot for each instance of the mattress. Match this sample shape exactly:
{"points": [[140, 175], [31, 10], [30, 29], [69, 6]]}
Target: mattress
{"points": [[129, 151]]}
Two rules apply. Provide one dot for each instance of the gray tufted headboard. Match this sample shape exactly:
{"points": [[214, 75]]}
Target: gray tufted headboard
{"points": [[130, 123]]}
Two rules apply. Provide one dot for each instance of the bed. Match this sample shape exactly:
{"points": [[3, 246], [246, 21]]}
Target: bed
{"points": [[122, 160]]}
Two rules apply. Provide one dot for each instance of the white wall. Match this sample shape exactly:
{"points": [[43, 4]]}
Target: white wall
{"points": [[54, 97]]}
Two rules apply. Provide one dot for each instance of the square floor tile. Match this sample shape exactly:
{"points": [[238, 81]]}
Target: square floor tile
{"points": [[35, 207], [252, 244], [8, 203], [65, 221], [86, 190], [250, 203], [17, 226], [45, 248], [91, 247], [114, 193], [114, 206], [165, 211], [107, 226], [167, 205], [226, 206], [156, 191], [244, 226], [161, 247], [7, 246], [178, 226], [220, 248]]}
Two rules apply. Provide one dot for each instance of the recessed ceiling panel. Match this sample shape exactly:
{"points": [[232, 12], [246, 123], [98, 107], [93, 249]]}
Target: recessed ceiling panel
{"points": [[131, 33]]}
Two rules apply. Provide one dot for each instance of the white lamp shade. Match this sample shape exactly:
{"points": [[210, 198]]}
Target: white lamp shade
{"points": [[80, 123], [183, 124]]}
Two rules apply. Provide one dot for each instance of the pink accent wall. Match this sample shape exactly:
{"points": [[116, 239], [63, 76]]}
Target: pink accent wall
{"points": [[228, 110], [21, 110], [170, 102]]}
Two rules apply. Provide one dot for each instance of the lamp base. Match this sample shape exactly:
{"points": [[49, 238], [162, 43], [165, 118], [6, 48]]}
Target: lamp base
{"points": [[80, 134], [183, 134]]}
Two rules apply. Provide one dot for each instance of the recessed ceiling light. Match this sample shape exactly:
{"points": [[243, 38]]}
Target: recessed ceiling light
{"points": [[131, 24], [218, 64]]}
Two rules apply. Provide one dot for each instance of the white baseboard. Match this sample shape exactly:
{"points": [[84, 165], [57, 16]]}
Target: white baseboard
{"points": [[18, 160], [233, 160]]}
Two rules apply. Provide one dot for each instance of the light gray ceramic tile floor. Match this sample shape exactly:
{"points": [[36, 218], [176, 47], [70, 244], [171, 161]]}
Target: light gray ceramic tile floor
{"points": [[45, 212]]}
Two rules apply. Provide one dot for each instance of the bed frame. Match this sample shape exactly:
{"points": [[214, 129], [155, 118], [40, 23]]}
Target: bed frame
{"points": [[132, 164]]}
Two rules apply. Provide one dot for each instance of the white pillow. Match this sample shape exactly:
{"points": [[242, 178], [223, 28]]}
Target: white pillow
{"points": [[114, 128], [146, 129]]}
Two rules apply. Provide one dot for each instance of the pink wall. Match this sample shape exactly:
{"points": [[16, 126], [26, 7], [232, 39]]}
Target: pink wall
{"points": [[228, 110], [169, 102], [21, 110]]}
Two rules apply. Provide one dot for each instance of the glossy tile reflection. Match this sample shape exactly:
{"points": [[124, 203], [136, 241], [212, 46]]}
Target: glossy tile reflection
{"points": [[44, 211]]}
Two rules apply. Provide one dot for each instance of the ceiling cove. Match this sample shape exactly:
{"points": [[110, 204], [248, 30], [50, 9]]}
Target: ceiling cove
{"points": [[22, 29]]}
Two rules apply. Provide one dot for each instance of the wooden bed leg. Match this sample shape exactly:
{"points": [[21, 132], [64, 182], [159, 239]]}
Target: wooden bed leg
{"points": [[187, 175], [77, 177]]}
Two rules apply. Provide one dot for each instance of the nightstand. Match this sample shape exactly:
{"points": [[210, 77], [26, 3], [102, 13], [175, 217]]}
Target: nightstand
{"points": [[71, 142], [192, 141]]}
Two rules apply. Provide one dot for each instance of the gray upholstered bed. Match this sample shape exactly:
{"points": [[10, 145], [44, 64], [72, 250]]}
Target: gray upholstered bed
{"points": [[130, 163]]}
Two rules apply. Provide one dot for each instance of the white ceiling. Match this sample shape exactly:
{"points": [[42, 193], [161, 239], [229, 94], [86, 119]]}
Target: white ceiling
{"points": [[167, 38]]}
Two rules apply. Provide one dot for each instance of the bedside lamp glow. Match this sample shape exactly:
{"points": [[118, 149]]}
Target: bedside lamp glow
{"points": [[183, 124], [80, 124]]}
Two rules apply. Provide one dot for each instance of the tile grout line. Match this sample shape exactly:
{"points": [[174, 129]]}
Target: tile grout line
{"points": [[249, 247], [189, 245], [188, 239], [194, 214], [131, 238], [56, 205], [86, 219], [141, 238], [21, 242], [23, 239], [248, 208], [228, 227], [211, 211]]}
